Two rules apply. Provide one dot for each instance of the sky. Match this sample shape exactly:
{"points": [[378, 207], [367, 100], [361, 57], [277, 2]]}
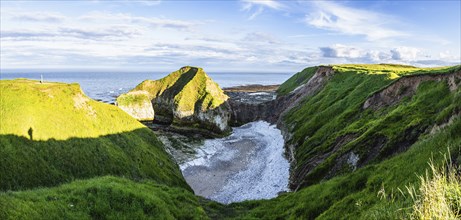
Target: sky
{"points": [[240, 35]]}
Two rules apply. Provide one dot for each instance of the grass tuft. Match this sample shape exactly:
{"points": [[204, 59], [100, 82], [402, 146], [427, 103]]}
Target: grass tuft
{"points": [[439, 193]]}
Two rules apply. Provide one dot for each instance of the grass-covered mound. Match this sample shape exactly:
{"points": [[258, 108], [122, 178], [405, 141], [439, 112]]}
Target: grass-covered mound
{"points": [[102, 198], [187, 97], [53, 133]]}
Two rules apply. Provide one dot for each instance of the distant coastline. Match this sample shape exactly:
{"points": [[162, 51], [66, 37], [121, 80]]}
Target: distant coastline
{"points": [[106, 86]]}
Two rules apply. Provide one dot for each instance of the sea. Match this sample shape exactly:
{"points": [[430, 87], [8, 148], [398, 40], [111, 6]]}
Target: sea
{"points": [[107, 86]]}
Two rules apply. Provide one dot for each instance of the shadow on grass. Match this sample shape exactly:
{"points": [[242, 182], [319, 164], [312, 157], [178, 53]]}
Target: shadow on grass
{"points": [[136, 155]]}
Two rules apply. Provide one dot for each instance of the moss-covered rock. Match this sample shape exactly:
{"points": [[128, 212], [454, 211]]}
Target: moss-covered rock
{"points": [[138, 105], [187, 97]]}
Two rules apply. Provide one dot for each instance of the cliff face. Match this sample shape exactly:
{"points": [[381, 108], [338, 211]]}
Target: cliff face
{"points": [[271, 111], [336, 119], [345, 117], [243, 112], [141, 110], [187, 97], [406, 87]]}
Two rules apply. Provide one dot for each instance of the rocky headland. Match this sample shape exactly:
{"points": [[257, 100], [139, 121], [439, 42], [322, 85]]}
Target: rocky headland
{"points": [[187, 99]]}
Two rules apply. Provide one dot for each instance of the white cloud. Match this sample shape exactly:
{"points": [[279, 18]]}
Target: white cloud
{"points": [[264, 3], [341, 51], [152, 21], [34, 16], [259, 6], [256, 13], [351, 21], [64, 33], [377, 56], [405, 53], [448, 56], [106, 38], [259, 38], [150, 2]]}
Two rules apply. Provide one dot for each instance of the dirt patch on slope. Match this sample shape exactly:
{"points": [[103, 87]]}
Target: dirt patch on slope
{"points": [[405, 87]]}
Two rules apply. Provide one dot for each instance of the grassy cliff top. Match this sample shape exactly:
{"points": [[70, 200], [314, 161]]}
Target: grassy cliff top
{"points": [[391, 71], [53, 133], [186, 86], [57, 111]]}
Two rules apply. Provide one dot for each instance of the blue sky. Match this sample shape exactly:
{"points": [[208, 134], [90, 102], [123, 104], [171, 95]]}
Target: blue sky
{"points": [[245, 35]]}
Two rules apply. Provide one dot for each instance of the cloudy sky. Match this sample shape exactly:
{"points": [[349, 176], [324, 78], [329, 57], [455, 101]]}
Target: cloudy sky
{"points": [[245, 35]]}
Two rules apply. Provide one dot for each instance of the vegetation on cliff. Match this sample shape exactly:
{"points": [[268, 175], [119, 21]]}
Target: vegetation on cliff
{"points": [[296, 80], [354, 136], [356, 144], [346, 154], [184, 97], [371, 192], [53, 133]]}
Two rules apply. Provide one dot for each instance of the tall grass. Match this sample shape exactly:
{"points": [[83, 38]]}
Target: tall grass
{"points": [[439, 195]]}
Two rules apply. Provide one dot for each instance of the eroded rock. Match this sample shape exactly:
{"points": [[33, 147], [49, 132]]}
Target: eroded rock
{"points": [[406, 86]]}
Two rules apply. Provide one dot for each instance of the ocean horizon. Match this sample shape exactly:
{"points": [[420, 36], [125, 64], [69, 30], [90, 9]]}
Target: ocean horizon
{"points": [[106, 86]]}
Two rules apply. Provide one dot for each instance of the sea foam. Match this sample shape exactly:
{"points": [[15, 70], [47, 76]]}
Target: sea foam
{"points": [[262, 170]]}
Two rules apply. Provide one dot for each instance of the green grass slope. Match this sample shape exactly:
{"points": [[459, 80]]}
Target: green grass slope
{"points": [[52, 133], [102, 198], [365, 133], [296, 80]]}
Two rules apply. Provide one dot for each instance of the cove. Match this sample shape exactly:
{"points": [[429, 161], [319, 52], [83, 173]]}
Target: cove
{"points": [[247, 165]]}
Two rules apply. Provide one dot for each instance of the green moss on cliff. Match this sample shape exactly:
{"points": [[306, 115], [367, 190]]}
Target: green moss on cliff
{"points": [[133, 99], [392, 71]]}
